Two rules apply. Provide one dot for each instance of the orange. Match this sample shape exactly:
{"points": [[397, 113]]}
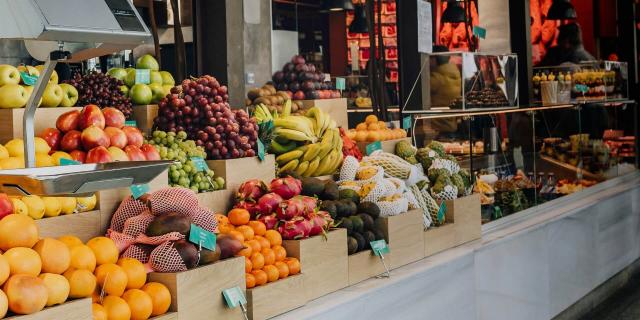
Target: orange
{"points": [[361, 127], [373, 136], [4, 304], [23, 261], [136, 273], [239, 217], [261, 277], [246, 231], [237, 235], [255, 245], [382, 125], [5, 270], [25, 294], [82, 258], [98, 311], [257, 260], [112, 279], [225, 228], [82, 283], [248, 265], [371, 119], [264, 243], [71, 241], [269, 256], [17, 230], [272, 272], [117, 308], [57, 288], [283, 269], [246, 251], [55, 255], [361, 136], [258, 227], [139, 302], [160, 297], [274, 237], [293, 264], [280, 252], [373, 126], [251, 280], [104, 249], [221, 218]]}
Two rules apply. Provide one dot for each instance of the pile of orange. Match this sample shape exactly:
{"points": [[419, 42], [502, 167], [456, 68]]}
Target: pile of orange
{"points": [[374, 130], [265, 258]]}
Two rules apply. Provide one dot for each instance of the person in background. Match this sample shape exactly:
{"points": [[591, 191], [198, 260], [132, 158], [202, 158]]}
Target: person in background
{"points": [[569, 49], [445, 87]]}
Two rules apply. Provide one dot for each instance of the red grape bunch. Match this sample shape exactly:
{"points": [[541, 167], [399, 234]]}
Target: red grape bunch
{"points": [[200, 108], [102, 90]]}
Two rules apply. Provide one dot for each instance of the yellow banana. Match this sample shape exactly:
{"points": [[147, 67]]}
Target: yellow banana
{"points": [[295, 123], [313, 166], [286, 111], [312, 151], [291, 165], [294, 135], [287, 157], [325, 164], [302, 167]]}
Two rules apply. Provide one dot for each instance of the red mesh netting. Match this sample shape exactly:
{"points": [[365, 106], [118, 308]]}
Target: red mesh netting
{"points": [[128, 208], [121, 240], [137, 225], [171, 236], [165, 258], [205, 219], [141, 252], [178, 200]]}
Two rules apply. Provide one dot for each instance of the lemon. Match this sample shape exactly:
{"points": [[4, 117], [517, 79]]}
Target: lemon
{"points": [[42, 146], [87, 203], [4, 153], [15, 147], [52, 206], [44, 160], [12, 163], [19, 207], [56, 156], [35, 205], [68, 205]]}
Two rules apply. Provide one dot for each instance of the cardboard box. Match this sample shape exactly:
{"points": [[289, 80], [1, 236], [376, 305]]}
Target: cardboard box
{"points": [[403, 233], [276, 298], [219, 201], [79, 309], [462, 224], [144, 116], [11, 121], [85, 225], [237, 171], [387, 145], [336, 108], [364, 265]]}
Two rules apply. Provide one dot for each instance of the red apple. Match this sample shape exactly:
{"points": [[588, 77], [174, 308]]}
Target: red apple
{"points": [[91, 115], [71, 141], [134, 153], [98, 155], [78, 155], [6, 206], [299, 95], [118, 154], [68, 121], [113, 117], [94, 137], [52, 136], [117, 137], [290, 94], [134, 136], [150, 152]]}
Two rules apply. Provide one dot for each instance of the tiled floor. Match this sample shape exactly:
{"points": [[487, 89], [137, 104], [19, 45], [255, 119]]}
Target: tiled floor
{"points": [[623, 305]]}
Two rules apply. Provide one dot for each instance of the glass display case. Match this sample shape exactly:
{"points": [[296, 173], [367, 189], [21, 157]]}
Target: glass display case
{"points": [[469, 81]]}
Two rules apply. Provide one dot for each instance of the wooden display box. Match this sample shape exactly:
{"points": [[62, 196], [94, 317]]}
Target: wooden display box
{"points": [[336, 108], [323, 261], [277, 297], [219, 201], [84, 225], [197, 293], [144, 116], [79, 309], [387, 145], [462, 224], [237, 171], [364, 265], [404, 236], [11, 121], [166, 316]]}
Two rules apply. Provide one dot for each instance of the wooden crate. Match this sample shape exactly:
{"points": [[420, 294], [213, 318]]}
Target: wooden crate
{"points": [[144, 116], [364, 265], [276, 298], [403, 233], [79, 309], [336, 108], [11, 121], [197, 293], [219, 201], [166, 316], [387, 146], [323, 261], [463, 224], [85, 225], [237, 171]]}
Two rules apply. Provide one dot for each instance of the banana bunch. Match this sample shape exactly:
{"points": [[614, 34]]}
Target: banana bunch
{"points": [[483, 187], [263, 114]]}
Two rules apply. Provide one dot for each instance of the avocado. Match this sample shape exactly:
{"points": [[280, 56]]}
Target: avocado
{"points": [[289, 173], [330, 207], [340, 209], [349, 194], [368, 237], [358, 224], [347, 224], [188, 252], [208, 256], [367, 221], [362, 243], [312, 186], [170, 222], [330, 191], [369, 208], [349, 208], [378, 233], [352, 244]]}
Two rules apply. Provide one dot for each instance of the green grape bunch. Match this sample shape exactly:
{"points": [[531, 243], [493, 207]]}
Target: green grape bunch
{"points": [[184, 172]]}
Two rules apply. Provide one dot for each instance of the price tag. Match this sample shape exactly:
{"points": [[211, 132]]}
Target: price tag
{"points": [[406, 123], [137, 190], [234, 297], [260, 150], [143, 76], [341, 84], [200, 164], [68, 162], [373, 147], [480, 32], [28, 79], [202, 237], [130, 123], [379, 247], [442, 212], [582, 88]]}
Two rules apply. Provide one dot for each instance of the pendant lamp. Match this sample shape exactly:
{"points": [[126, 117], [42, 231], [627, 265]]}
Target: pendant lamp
{"points": [[561, 10], [359, 23], [454, 13], [337, 5]]}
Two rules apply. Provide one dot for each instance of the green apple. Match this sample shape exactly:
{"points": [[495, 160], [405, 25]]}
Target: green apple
{"points": [[29, 90], [140, 94], [158, 92], [69, 96], [129, 69], [167, 78], [13, 96], [54, 74], [9, 75], [147, 62], [52, 96], [167, 88], [155, 77], [130, 79], [118, 73], [125, 90]]}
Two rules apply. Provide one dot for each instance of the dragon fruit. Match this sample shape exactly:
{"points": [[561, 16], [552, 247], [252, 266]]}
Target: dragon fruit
{"points": [[298, 228], [249, 206], [320, 222], [270, 221], [310, 204], [268, 203], [287, 187], [290, 209], [251, 190]]}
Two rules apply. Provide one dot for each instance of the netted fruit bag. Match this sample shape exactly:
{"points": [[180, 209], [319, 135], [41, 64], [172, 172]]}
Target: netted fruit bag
{"points": [[369, 173], [349, 168], [451, 166], [448, 193], [395, 167], [393, 208], [429, 206], [166, 258]]}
